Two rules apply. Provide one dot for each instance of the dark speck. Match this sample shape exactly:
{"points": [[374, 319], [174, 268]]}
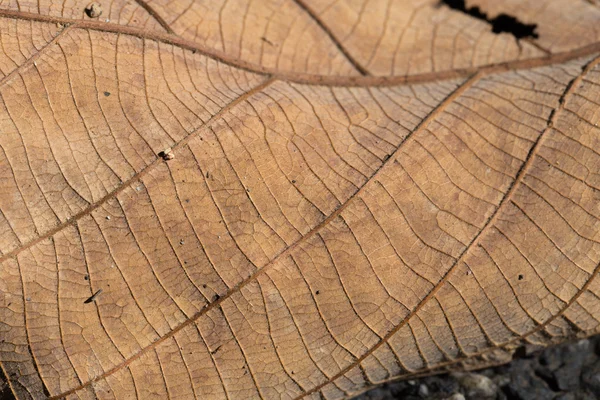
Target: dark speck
{"points": [[521, 277], [317, 292], [93, 297], [107, 94]]}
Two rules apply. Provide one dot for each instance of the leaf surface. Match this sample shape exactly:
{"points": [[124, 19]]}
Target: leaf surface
{"points": [[292, 199]]}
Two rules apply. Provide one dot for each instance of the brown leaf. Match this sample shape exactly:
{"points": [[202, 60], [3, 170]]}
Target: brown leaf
{"points": [[291, 199]]}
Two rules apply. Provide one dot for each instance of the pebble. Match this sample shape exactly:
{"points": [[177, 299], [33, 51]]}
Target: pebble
{"points": [[591, 378], [456, 396], [477, 386]]}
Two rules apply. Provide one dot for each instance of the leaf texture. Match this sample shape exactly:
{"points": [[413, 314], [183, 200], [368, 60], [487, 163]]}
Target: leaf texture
{"points": [[291, 199]]}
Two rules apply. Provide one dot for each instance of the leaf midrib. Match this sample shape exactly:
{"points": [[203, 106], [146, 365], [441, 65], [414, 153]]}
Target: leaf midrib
{"points": [[305, 78]]}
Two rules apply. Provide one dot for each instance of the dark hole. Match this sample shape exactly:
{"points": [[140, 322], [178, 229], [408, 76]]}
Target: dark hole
{"points": [[521, 277], [107, 94], [317, 292], [501, 23]]}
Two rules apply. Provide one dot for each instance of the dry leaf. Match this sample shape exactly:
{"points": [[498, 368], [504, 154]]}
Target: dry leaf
{"points": [[352, 192]]}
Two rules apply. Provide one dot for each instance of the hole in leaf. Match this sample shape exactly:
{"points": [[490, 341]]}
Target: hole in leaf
{"points": [[501, 23]]}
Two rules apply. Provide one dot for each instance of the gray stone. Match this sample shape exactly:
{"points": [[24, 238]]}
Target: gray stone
{"points": [[423, 391], [591, 378], [455, 396], [477, 386]]}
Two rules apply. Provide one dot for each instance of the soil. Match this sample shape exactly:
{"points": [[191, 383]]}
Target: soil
{"points": [[570, 371]]}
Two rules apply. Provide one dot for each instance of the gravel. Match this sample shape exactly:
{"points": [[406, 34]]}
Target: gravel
{"points": [[570, 371]]}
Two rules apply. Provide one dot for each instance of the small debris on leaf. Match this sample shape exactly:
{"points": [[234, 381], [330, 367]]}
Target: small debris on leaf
{"points": [[93, 297], [93, 10], [264, 39], [166, 154]]}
